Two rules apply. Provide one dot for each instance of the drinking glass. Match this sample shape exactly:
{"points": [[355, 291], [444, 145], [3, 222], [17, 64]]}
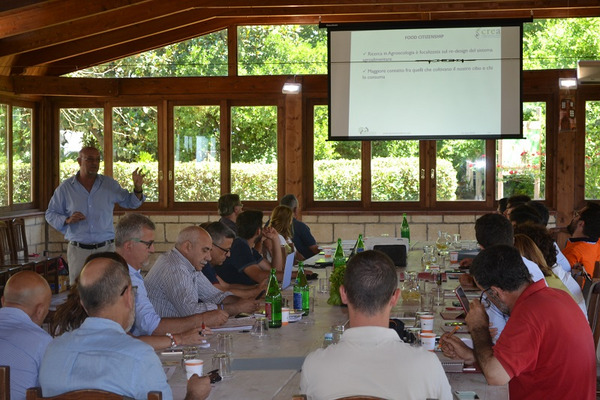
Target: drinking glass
{"points": [[260, 328], [222, 362], [225, 343]]}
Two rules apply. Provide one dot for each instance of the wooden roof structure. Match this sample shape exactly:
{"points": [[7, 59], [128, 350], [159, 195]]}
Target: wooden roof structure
{"points": [[56, 37]]}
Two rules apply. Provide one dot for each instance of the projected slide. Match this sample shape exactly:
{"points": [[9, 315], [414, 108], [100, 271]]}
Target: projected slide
{"points": [[427, 83]]}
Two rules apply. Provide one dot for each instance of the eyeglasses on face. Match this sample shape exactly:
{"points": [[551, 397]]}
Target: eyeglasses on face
{"points": [[222, 249], [134, 288], [147, 243], [484, 300]]}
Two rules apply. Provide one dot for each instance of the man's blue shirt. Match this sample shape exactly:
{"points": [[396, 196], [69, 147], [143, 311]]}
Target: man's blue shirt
{"points": [[303, 239], [100, 355], [97, 206], [22, 346], [146, 317]]}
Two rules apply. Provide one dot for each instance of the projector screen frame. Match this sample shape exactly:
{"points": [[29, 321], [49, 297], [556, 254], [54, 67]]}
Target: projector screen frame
{"points": [[406, 25]]}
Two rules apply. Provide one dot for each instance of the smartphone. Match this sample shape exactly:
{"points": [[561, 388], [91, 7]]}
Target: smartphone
{"points": [[462, 298], [261, 294]]}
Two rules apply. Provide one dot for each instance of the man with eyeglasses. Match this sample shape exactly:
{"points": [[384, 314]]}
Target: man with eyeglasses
{"points": [[546, 350], [230, 206], [99, 354], [134, 239], [222, 238], [81, 208], [583, 249], [177, 287]]}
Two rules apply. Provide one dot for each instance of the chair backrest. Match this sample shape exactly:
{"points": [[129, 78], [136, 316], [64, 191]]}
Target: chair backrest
{"points": [[592, 302], [19, 238], [5, 242], [85, 394], [4, 382]]}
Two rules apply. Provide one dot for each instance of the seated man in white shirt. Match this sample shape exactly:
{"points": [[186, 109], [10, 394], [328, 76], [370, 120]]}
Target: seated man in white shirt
{"points": [[370, 359], [177, 287]]}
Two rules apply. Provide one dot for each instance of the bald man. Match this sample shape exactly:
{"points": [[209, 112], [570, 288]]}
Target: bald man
{"points": [[100, 354], [22, 342], [178, 288]]}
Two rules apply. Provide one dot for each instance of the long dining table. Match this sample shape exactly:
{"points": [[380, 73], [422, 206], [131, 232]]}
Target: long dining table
{"points": [[269, 367]]}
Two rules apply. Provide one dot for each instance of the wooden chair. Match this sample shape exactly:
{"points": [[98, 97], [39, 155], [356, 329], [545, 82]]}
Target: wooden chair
{"points": [[4, 382], [592, 301], [45, 266], [85, 394], [7, 262]]}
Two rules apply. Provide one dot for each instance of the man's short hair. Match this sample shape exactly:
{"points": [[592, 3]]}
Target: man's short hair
{"points": [[218, 231], [525, 214], [501, 266], [248, 222], [370, 281], [227, 203], [106, 290], [591, 217], [130, 227], [289, 200], [491, 229]]}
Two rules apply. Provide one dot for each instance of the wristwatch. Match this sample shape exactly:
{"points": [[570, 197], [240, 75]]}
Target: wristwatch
{"points": [[138, 192], [170, 336]]}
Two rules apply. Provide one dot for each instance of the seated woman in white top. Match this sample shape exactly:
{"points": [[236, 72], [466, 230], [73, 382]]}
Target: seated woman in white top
{"points": [[281, 221]]}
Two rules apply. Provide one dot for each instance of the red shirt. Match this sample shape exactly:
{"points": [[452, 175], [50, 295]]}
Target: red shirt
{"points": [[547, 347]]}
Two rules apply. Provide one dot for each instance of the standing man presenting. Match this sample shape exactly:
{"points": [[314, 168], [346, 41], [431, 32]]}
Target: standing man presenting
{"points": [[82, 207]]}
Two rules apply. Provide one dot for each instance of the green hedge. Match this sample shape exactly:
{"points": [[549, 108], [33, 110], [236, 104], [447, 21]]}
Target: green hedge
{"points": [[393, 179]]}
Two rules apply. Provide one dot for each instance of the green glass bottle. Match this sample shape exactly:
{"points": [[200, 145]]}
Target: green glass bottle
{"points": [[273, 302], [301, 291], [405, 229], [360, 245], [339, 258]]}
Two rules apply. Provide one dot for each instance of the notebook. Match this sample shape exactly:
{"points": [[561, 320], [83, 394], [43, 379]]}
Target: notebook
{"points": [[287, 271]]}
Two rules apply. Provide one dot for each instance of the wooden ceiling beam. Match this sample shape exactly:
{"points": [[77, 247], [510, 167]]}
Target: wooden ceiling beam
{"points": [[93, 25], [130, 48], [48, 13]]}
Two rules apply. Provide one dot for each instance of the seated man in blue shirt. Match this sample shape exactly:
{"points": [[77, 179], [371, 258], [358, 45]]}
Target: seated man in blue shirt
{"points": [[22, 342], [100, 354], [304, 241]]}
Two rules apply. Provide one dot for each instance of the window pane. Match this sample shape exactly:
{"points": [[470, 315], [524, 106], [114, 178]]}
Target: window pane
{"points": [[135, 145], [460, 170], [197, 153], [592, 150], [3, 155], [282, 50], [521, 163], [79, 127], [395, 170], [336, 164], [201, 56], [254, 152], [21, 142]]}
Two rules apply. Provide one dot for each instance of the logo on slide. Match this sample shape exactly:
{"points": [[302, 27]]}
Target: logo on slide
{"points": [[363, 130], [487, 33]]}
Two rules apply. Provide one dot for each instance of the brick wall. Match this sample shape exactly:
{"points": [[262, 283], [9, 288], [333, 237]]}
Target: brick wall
{"points": [[325, 228]]}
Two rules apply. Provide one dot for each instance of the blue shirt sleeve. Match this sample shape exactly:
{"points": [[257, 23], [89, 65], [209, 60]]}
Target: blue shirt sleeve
{"points": [[146, 318]]}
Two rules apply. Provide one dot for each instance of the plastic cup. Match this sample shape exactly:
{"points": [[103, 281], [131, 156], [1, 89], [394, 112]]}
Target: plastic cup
{"points": [[428, 340], [222, 362], [225, 343], [426, 323], [285, 316], [260, 328], [328, 252], [194, 366]]}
